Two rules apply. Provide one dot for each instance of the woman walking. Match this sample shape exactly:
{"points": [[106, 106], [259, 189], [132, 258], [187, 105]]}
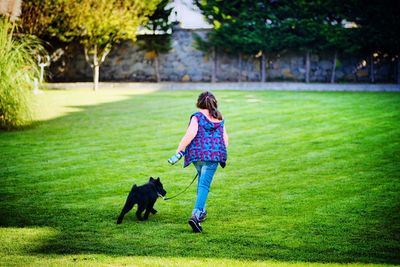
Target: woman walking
{"points": [[205, 144]]}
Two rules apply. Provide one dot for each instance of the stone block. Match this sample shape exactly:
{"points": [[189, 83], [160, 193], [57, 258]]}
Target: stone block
{"points": [[362, 73], [185, 78], [180, 67], [314, 57], [325, 64], [339, 74], [286, 73], [273, 73]]}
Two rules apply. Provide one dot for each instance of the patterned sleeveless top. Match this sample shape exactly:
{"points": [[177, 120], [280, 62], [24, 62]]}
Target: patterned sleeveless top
{"points": [[208, 144]]}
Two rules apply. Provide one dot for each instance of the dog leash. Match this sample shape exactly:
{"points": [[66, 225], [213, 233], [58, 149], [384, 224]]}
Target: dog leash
{"points": [[168, 198]]}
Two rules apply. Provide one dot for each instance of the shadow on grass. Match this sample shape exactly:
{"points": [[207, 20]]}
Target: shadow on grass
{"points": [[73, 173]]}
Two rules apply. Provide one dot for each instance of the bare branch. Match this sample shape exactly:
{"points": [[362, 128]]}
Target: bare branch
{"points": [[87, 57]]}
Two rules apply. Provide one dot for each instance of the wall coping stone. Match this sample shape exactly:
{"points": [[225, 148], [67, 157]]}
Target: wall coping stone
{"points": [[245, 86]]}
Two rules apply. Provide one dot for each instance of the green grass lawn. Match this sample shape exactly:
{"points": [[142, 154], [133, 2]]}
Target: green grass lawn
{"points": [[312, 179]]}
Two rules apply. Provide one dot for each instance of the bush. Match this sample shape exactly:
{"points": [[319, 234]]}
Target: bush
{"points": [[17, 71]]}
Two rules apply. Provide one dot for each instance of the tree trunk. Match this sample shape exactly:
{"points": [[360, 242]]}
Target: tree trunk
{"points": [[398, 69], [263, 71], [334, 67], [372, 74], [96, 67], [308, 66], [214, 67], [240, 68], [157, 68]]}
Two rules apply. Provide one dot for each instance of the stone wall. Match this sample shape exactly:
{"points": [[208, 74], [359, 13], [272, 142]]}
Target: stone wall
{"points": [[126, 62]]}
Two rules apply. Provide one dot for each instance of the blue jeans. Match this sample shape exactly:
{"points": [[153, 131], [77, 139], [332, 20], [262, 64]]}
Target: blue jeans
{"points": [[206, 171]]}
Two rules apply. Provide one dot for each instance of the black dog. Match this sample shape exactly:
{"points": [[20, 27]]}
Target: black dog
{"points": [[145, 196]]}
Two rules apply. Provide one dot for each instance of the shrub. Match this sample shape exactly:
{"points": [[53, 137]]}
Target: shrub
{"points": [[17, 71]]}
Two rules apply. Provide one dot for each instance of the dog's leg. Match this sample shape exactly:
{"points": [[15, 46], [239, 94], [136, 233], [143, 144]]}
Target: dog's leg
{"points": [[130, 202], [153, 211], [125, 210], [139, 211], [149, 209]]}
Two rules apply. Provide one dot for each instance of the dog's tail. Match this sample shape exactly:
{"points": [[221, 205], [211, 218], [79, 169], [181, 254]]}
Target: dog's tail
{"points": [[130, 201]]}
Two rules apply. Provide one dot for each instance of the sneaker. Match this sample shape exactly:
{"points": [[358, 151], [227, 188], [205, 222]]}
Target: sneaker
{"points": [[195, 224], [203, 217]]}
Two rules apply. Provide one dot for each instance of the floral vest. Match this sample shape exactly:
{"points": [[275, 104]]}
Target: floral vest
{"points": [[208, 144]]}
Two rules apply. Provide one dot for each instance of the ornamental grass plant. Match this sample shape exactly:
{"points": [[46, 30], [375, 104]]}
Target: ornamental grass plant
{"points": [[17, 72]]}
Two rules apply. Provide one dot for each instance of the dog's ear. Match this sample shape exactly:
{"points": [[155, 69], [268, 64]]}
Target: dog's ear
{"points": [[158, 179], [151, 179]]}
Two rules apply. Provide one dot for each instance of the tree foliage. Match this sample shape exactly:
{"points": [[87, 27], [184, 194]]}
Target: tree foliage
{"points": [[378, 25], [99, 24], [238, 26], [96, 24], [43, 18], [348, 26]]}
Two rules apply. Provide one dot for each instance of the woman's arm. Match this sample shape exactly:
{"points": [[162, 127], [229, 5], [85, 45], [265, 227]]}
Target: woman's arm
{"points": [[190, 134], [226, 138]]}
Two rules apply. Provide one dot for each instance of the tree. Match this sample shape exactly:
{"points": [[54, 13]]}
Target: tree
{"points": [[159, 39], [42, 18], [236, 36], [99, 24], [96, 24], [211, 12], [265, 32], [299, 27], [377, 30], [235, 28], [336, 31]]}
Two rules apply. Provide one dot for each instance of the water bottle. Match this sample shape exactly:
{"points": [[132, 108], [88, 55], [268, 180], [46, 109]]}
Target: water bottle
{"points": [[175, 158]]}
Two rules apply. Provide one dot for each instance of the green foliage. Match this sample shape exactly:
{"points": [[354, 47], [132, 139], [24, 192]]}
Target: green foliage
{"points": [[334, 34], [98, 24], [238, 26], [276, 25], [201, 44], [160, 28], [378, 25], [298, 25], [43, 18], [17, 71], [339, 63], [159, 21]]}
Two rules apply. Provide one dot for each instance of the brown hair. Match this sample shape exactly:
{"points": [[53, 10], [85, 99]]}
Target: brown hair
{"points": [[208, 101]]}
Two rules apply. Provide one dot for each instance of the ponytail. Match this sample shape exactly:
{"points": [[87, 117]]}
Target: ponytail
{"points": [[208, 101]]}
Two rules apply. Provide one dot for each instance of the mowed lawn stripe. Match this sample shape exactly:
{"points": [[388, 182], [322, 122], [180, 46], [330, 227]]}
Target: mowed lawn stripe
{"points": [[311, 177]]}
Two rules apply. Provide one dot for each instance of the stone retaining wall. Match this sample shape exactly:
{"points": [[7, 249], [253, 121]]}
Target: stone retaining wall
{"points": [[126, 62]]}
